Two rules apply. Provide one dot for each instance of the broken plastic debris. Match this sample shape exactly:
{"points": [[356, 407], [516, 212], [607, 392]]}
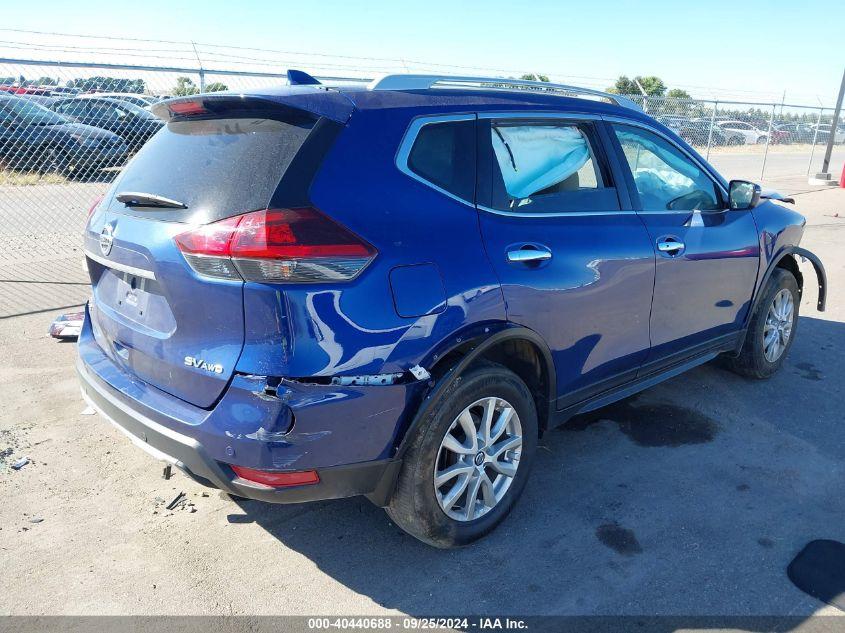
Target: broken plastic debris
{"points": [[23, 461], [176, 501], [67, 326], [420, 373], [88, 411]]}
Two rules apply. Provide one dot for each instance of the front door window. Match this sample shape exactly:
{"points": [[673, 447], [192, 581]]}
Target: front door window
{"points": [[665, 179]]}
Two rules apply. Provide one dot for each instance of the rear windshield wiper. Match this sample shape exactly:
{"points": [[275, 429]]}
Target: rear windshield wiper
{"points": [[139, 199]]}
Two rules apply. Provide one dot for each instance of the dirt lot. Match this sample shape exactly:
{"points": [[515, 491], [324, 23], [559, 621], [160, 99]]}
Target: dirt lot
{"points": [[690, 499]]}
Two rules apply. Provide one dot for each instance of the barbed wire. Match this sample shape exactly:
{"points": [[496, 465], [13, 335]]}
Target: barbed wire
{"points": [[218, 53]]}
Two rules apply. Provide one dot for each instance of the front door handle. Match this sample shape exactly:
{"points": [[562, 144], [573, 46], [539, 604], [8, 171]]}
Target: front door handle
{"points": [[670, 246], [528, 255]]}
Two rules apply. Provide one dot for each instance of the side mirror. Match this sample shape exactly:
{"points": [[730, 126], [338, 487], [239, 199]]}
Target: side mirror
{"points": [[743, 195]]}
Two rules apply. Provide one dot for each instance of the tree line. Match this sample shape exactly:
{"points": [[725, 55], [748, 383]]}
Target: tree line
{"points": [[183, 86]]}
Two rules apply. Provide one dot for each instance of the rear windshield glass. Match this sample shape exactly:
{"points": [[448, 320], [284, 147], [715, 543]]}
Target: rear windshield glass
{"points": [[218, 168]]}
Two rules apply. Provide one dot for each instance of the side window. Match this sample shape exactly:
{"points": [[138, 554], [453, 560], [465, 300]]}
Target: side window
{"points": [[103, 111], [666, 179], [548, 167], [443, 154], [71, 108]]}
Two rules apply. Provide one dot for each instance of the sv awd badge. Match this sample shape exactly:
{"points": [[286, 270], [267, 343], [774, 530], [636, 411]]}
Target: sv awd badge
{"points": [[198, 363]]}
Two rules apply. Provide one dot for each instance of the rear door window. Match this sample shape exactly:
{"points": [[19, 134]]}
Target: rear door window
{"points": [[218, 168], [548, 167]]}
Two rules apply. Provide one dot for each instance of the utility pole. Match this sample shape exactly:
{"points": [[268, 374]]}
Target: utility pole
{"points": [[645, 95], [824, 176]]}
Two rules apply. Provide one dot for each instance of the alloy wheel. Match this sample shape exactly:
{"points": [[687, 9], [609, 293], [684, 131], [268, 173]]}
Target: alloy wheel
{"points": [[478, 459], [778, 326]]}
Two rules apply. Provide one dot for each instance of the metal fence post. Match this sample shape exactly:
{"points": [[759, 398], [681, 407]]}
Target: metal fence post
{"points": [[768, 140], [815, 137], [202, 80], [710, 129]]}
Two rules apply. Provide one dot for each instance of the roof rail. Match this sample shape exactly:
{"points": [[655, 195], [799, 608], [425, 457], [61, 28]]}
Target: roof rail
{"points": [[426, 82]]}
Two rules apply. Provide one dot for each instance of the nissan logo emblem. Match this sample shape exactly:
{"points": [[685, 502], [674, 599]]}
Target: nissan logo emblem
{"points": [[106, 239]]}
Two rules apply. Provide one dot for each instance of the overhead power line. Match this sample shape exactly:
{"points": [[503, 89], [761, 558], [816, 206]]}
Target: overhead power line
{"points": [[183, 50]]}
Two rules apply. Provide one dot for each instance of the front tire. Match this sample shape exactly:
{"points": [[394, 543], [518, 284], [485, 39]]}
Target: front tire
{"points": [[469, 459], [772, 328]]}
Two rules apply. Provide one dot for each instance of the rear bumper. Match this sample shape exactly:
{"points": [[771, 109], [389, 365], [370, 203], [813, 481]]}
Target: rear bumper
{"points": [[372, 479]]}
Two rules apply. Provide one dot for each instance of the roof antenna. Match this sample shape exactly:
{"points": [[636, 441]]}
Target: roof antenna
{"points": [[300, 78]]}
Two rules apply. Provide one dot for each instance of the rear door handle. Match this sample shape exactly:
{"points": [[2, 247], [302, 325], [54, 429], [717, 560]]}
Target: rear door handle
{"points": [[670, 246], [528, 255]]}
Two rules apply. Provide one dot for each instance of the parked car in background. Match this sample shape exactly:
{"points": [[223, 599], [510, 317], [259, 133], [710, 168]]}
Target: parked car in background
{"points": [[25, 90], [698, 132], [133, 124], [63, 90], [142, 101], [33, 138], [777, 135], [39, 99], [394, 290], [824, 133], [742, 133], [797, 132], [672, 121]]}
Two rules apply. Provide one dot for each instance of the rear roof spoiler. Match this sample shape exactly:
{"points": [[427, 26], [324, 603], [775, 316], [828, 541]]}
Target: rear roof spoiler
{"points": [[308, 101]]}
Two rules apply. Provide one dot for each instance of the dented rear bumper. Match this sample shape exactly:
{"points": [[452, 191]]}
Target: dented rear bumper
{"points": [[347, 433]]}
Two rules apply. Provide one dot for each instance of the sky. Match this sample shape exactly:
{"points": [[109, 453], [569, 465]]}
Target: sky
{"points": [[754, 50]]}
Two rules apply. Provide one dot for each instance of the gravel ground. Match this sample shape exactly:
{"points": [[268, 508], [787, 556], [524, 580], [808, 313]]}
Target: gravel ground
{"points": [[690, 499]]}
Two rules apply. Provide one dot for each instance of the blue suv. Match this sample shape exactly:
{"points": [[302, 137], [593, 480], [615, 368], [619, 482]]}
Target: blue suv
{"points": [[393, 290]]}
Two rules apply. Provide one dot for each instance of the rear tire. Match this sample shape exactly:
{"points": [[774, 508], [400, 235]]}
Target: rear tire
{"points": [[772, 328], [422, 508], [56, 161]]}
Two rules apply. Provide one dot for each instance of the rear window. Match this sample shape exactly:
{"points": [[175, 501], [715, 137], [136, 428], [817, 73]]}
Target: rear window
{"points": [[218, 168], [444, 155], [548, 167]]}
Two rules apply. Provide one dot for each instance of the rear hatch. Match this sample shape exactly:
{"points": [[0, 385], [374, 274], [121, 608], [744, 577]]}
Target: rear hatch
{"points": [[168, 321]]}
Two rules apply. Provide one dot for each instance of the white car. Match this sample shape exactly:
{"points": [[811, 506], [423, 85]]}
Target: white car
{"points": [[143, 101], [742, 133]]}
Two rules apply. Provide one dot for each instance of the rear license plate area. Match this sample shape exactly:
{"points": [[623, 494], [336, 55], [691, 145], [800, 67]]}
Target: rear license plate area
{"points": [[131, 296]]}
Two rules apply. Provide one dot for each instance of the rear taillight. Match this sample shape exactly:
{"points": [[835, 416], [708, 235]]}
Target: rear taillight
{"points": [[187, 108], [94, 205], [292, 245]]}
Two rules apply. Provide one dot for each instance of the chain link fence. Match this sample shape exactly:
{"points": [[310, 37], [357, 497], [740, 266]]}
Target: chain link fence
{"points": [[67, 129]]}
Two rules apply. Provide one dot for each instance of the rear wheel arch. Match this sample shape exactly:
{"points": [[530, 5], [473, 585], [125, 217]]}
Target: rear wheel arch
{"points": [[518, 349], [525, 357]]}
